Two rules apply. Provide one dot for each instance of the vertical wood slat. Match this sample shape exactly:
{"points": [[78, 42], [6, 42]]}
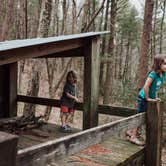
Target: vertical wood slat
{"points": [[154, 133], [91, 82]]}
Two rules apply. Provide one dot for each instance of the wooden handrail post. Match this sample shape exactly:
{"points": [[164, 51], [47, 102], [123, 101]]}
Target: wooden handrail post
{"points": [[154, 124], [8, 149]]}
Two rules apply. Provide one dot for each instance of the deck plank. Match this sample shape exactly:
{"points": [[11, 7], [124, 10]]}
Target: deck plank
{"points": [[111, 152], [41, 134]]}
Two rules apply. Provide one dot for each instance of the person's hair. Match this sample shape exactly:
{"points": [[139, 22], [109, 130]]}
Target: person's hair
{"points": [[71, 74], [158, 60]]}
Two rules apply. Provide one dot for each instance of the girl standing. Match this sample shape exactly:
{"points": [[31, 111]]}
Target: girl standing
{"points": [[67, 100], [153, 83]]}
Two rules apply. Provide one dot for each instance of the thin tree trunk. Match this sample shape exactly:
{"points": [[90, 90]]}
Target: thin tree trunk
{"points": [[126, 60], [64, 11], [74, 17], [33, 89], [45, 18], [35, 19], [8, 20], [109, 72], [22, 34], [87, 26], [104, 45], [161, 26], [147, 29], [154, 30], [120, 58]]}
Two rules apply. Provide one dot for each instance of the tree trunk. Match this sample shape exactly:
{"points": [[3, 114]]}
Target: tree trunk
{"points": [[8, 20], [147, 29], [104, 45], [64, 11], [22, 34], [125, 71], [154, 31], [33, 89], [35, 19], [74, 17], [161, 26], [109, 72], [45, 18]]}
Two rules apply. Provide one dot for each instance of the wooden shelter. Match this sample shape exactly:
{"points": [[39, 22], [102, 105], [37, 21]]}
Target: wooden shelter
{"points": [[49, 150], [85, 45]]}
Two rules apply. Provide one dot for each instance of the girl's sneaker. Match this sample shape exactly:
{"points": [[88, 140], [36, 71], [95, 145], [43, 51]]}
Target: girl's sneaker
{"points": [[65, 129]]}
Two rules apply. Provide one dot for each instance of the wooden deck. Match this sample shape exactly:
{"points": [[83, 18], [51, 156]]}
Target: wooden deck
{"points": [[112, 152], [41, 134]]}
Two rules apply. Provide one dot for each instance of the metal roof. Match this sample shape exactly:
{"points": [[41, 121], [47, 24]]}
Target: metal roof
{"points": [[8, 45]]}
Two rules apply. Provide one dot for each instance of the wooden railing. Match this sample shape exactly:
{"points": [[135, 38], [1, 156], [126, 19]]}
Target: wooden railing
{"points": [[103, 109], [153, 121]]}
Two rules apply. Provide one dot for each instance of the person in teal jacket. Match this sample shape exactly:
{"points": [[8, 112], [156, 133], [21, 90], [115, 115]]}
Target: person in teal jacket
{"points": [[148, 92]]}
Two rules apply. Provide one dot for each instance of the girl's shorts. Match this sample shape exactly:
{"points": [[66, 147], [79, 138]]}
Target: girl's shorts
{"points": [[65, 109], [142, 104]]}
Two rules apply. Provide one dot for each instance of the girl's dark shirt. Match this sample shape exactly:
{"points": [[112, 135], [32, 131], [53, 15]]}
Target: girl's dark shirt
{"points": [[66, 101]]}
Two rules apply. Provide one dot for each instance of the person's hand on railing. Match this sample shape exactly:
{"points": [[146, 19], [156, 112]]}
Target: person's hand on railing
{"points": [[153, 100]]}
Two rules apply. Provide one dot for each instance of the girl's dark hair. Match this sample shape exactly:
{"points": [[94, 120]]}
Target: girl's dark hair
{"points": [[72, 74], [158, 60]]}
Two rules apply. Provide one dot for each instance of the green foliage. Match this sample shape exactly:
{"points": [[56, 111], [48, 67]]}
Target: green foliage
{"points": [[124, 94], [129, 25]]}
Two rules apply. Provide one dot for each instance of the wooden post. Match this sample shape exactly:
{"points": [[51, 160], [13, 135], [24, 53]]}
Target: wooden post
{"points": [[8, 149], [91, 82], [154, 133], [8, 90]]}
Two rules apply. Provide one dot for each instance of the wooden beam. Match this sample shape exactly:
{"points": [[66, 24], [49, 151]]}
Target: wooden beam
{"points": [[117, 111], [154, 133], [17, 54], [91, 82], [77, 52], [39, 154], [44, 101], [103, 109]]}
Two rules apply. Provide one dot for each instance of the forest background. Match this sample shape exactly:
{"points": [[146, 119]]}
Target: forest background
{"points": [[126, 52]]}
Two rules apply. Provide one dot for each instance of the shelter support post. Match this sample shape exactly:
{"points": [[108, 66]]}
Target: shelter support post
{"points": [[8, 90], [91, 82]]}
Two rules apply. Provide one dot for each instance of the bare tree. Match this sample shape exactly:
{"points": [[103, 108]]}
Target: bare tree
{"points": [[147, 29], [8, 20], [35, 19], [74, 17], [86, 27], [104, 43], [162, 25], [45, 18], [109, 71], [65, 6]]}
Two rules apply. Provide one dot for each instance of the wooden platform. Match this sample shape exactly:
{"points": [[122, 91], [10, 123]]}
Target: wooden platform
{"points": [[42, 134], [112, 152]]}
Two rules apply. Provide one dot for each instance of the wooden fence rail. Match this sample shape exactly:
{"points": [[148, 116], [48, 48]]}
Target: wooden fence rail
{"points": [[103, 109]]}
